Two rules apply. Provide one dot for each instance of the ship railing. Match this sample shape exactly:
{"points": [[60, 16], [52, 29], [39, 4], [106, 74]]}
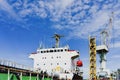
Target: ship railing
{"points": [[14, 64]]}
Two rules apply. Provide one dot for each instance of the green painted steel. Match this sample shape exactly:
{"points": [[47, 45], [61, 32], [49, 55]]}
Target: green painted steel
{"points": [[25, 77], [28, 78], [47, 79], [4, 76]]}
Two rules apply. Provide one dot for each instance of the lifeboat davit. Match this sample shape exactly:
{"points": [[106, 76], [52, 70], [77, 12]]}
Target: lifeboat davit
{"points": [[79, 63]]}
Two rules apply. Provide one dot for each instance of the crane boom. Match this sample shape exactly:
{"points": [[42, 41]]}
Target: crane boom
{"points": [[106, 33]]}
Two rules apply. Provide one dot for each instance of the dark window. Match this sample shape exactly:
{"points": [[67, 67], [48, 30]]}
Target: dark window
{"points": [[57, 63], [65, 63], [51, 50], [61, 50], [58, 50], [41, 51], [65, 49], [51, 64], [54, 50]]}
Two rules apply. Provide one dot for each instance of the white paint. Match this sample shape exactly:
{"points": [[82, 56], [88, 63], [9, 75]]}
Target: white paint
{"points": [[102, 50], [56, 61]]}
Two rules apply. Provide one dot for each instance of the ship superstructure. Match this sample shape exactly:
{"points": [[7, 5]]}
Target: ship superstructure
{"points": [[60, 61]]}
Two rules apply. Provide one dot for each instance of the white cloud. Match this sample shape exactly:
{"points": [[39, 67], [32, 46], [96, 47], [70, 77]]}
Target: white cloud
{"points": [[6, 7], [93, 9], [96, 23], [25, 12], [86, 7], [64, 3], [86, 1], [115, 45], [69, 14], [58, 26], [116, 56], [58, 8], [76, 18]]}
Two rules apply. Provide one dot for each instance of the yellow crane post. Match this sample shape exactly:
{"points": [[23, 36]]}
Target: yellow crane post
{"points": [[92, 49]]}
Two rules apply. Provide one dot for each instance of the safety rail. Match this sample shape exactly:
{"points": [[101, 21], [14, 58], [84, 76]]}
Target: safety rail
{"points": [[14, 64]]}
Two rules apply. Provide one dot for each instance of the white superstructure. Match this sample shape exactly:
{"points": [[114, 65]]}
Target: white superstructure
{"points": [[55, 60], [58, 60]]}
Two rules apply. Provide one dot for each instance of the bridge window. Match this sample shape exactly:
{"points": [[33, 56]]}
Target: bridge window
{"points": [[44, 51], [47, 51], [58, 50], [61, 50], [66, 50], [51, 50], [54, 50]]}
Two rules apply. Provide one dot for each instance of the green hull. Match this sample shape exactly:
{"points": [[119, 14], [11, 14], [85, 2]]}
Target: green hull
{"points": [[4, 76], [12, 73]]}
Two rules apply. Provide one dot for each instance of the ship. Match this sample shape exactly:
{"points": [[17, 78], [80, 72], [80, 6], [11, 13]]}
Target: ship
{"points": [[59, 63], [55, 63]]}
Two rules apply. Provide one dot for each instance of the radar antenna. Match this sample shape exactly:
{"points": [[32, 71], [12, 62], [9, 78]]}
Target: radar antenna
{"points": [[57, 38]]}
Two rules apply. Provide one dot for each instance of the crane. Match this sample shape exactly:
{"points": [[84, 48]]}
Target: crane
{"points": [[103, 49], [106, 33], [92, 48]]}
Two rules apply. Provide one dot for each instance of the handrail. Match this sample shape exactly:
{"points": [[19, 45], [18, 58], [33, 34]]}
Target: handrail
{"points": [[14, 64]]}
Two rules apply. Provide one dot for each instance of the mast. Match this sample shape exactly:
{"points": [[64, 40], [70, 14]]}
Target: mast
{"points": [[57, 39]]}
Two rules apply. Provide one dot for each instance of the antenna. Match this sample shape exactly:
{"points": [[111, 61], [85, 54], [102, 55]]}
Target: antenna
{"points": [[57, 38], [40, 45]]}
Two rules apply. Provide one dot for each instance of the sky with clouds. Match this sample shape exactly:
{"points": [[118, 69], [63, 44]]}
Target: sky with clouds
{"points": [[26, 23]]}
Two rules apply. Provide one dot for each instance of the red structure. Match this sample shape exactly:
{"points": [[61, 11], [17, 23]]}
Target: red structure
{"points": [[79, 63]]}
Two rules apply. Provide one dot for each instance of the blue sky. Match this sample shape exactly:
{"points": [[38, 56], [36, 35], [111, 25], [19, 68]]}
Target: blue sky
{"points": [[26, 23]]}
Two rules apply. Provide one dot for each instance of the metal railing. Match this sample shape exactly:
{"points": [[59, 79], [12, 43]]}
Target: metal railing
{"points": [[14, 64]]}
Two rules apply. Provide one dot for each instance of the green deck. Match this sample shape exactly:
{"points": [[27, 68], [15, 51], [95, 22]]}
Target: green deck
{"points": [[4, 76]]}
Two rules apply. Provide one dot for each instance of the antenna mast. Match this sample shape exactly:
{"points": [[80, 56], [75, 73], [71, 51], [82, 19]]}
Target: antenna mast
{"points": [[57, 38]]}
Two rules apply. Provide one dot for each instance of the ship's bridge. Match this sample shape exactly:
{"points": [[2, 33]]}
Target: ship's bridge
{"points": [[62, 50], [65, 49], [53, 50]]}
